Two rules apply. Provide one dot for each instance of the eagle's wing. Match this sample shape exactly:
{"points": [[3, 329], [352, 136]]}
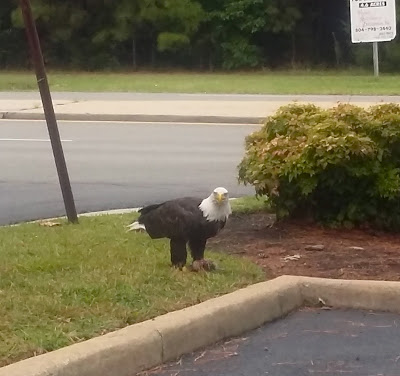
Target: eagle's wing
{"points": [[173, 219]]}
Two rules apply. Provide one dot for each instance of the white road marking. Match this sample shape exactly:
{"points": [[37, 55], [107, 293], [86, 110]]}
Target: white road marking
{"points": [[30, 139]]}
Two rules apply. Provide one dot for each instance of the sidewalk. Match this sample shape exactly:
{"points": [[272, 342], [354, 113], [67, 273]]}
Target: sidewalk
{"points": [[204, 108]]}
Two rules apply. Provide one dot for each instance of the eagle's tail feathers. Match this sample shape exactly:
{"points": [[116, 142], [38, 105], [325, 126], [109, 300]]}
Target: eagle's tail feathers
{"points": [[149, 208], [136, 226]]}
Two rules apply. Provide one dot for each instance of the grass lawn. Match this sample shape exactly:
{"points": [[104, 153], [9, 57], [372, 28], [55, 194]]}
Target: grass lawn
{"points": [[286, 82], [249, 204], [68, 283]]}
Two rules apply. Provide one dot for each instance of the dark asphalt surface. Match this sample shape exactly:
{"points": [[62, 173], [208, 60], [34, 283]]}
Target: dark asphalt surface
{"points": [[115, 165], [308, 342]]}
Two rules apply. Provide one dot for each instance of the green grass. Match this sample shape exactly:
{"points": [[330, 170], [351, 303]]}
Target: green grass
{"points": [[249, 204], [286, 82], [64, 284]]}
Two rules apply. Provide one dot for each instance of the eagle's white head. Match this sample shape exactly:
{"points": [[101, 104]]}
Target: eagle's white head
{"points": [[216, 207]]}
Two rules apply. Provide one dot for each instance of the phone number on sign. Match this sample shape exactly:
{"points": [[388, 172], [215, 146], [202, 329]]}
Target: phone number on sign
{"points": [[380, 28]]}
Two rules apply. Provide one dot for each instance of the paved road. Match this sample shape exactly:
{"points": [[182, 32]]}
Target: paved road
{"points": [[109, 96], [318, 342], [114, 165]]}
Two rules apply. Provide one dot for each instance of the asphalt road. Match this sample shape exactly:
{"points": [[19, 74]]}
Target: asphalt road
{"points": [[111, 96], [331, 343], [115, 165]]}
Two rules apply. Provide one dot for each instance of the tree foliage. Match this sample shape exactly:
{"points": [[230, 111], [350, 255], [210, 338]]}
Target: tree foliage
{"points": [[200, 34]]}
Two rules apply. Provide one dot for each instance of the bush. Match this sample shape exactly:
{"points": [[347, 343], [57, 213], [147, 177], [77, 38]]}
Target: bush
{"points": [[339, 166]]}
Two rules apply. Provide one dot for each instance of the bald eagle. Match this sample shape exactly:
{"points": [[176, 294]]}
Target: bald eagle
{"points": [[186, 220]]}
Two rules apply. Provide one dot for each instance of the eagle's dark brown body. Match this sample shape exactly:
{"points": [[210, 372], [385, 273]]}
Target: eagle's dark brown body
{"points": [[182, 221]]}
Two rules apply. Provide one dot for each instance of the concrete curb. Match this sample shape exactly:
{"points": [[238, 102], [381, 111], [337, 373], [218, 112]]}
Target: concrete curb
{"points": [[365, 294], [144, 345], [89, 214], [137, 118]]}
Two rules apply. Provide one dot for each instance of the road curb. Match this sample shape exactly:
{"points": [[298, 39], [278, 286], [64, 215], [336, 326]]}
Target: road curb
{"points": [[152, 342], [88, 214], [137, 118]]}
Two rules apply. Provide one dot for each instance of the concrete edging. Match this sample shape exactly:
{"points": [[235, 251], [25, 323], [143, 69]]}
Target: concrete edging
{"points": [[357, 294], [137, 118], [89, 214], [153, 342]]}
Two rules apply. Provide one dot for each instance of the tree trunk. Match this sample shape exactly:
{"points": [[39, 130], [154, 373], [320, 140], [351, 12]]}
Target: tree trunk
{"points": [[134, 63], [293, 60], [153, 53]]}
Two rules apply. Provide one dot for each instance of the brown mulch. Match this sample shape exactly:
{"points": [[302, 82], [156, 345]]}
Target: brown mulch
{"points": [[346, 254]]}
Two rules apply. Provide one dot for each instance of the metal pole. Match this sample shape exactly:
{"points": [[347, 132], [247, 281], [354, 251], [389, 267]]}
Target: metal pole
{"points": [[51, 121], [376, 58]]}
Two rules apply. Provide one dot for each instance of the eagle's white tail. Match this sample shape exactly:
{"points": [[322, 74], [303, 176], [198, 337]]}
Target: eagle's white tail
{"points": [[136, 226]]}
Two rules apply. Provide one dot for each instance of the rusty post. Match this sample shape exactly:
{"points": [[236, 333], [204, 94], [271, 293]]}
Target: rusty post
{"points": [[51, 121]]}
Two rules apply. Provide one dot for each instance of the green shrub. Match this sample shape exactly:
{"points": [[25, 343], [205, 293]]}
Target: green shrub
{"points": [[339, 166]]}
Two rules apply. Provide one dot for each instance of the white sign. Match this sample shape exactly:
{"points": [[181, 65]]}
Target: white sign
{"points": [[372, 21]]}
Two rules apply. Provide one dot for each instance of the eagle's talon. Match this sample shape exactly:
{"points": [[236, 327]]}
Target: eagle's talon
{"points": [[203, 264], [178, 266]]}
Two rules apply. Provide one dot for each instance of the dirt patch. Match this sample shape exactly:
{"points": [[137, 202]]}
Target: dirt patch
{"points": [[308, 249]]}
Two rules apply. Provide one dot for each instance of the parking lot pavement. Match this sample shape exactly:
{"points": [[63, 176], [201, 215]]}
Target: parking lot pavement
{"points": [[307, 342]]}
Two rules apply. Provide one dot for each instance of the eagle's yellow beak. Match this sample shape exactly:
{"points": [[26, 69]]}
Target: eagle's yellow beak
{"points": [[220, 197]]}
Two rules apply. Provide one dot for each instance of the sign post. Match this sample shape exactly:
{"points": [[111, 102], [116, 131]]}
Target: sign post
{"points": [[373, 22], [376, 58], [44, 90]]}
